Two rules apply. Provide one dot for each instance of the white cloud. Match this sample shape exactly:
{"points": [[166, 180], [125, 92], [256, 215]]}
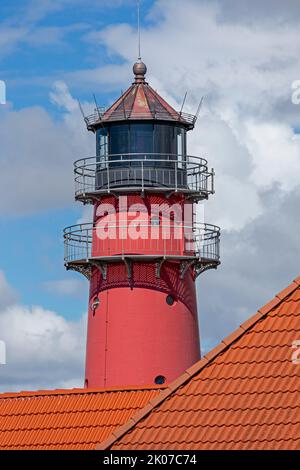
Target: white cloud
{"points": [[37, 155], [44, 350], [257, 262], [62, 97], [276, 151], [215, 139], [87, 215]]}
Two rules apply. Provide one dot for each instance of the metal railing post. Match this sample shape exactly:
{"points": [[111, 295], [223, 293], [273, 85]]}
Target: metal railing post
{"points": [[84, 182], [65, 249], [87, 243], [108, 176]]}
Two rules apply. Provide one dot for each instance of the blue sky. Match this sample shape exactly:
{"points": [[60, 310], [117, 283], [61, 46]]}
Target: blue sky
{"points": [[33, 255], [64, 46], [33, 246], [243, 58]]}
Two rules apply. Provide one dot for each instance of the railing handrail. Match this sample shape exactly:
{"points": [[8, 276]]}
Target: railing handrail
{"points": [[202, 230], [194, 226], [98, 116], [189, 159]]}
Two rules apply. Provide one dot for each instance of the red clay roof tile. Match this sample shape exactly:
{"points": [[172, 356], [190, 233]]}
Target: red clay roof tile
{"points": [[245, 396], [67, 419]]}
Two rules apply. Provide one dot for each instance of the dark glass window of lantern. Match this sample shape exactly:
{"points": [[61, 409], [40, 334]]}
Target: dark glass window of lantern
{"points": [[160, 380], [165, 141], [143, 139], [119, 139]]}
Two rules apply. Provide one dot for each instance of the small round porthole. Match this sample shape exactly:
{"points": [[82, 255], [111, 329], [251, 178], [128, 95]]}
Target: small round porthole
{"points": [[160, 380], [170, 300]]}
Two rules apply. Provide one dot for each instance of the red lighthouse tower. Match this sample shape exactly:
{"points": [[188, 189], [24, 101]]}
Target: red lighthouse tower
{"points": [[144, 248]]}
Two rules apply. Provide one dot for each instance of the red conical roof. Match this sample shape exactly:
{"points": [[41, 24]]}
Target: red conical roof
{"points": [[140, 102]]}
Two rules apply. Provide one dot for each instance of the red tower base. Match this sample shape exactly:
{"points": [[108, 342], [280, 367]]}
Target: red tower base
{"points": [[144, 330]]}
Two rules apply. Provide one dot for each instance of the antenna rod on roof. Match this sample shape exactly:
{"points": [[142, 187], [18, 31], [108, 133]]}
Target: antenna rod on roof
{"points": [[198, 110], [81, 109], [97, 107], [183, 103], [139, 28], [82, 112]]}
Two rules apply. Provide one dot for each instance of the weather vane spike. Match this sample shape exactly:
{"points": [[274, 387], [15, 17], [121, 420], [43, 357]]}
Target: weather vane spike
{"points": [[139, 28]]}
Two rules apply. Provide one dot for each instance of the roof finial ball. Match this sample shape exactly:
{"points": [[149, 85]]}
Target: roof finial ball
{"points": [[139, 70]]}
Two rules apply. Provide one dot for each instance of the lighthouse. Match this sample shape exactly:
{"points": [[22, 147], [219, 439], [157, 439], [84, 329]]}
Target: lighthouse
{"points": [[144, 248]]}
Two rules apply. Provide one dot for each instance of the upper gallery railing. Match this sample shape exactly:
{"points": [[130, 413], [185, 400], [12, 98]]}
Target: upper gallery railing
{"points": [[99, 116], [136, 171]]}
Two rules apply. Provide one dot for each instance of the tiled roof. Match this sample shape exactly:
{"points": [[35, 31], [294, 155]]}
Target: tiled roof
{"points": [[245, 394], [66, 419]]}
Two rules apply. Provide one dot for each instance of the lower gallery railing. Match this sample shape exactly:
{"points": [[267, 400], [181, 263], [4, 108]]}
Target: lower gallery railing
{"points": [[86, 241]]}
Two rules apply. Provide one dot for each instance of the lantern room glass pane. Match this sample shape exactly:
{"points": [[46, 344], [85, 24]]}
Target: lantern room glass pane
{"points": [[154, 151], [141, 139], [165, 139], [119, 139], [159, 141], [102, 145]]}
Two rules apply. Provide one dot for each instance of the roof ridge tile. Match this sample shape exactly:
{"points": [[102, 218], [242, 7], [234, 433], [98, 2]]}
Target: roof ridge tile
{"points": [[297, 280], [76, 391], [210, 355], [269, 306], [246, 325], [288, 290], [233, 336]]}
